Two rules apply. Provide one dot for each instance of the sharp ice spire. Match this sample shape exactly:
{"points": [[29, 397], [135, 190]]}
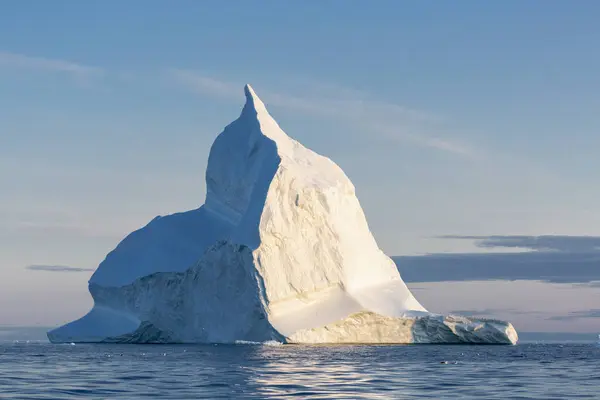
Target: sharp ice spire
{"points": [[255, 109], [253, 102]]}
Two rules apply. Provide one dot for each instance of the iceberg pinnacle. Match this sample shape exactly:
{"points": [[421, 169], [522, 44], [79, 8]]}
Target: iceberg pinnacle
{"points": [[280, 250], [252, 100]]}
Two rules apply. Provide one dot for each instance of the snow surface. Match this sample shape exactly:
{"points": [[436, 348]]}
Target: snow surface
{"points": [[280, 250]]}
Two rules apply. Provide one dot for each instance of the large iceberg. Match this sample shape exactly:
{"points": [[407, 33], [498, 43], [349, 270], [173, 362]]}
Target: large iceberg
{"points": [[280, 250]]}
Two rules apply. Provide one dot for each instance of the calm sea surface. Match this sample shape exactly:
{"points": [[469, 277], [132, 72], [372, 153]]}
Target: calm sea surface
{"points": [[38, 370]]}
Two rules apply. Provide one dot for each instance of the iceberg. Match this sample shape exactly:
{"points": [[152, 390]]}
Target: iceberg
{"points": [[280, 251]]}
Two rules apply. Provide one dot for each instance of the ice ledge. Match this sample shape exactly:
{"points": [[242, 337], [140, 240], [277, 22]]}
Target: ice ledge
{"points": [[371, 328]]}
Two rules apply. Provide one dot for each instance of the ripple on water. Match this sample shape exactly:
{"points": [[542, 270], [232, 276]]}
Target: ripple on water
{"points": [[46, 371]]}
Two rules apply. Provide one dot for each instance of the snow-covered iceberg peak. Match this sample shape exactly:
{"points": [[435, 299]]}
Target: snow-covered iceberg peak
{"points": [[254, 107], [280, 250]]}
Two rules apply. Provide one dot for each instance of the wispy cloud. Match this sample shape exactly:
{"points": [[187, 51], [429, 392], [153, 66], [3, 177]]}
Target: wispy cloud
{"points": [[23, 62], [548, 266], [58, 229], [595, 313], [391, 121], [205, 85], [487, 312], [388, 120], [562, 243], [57, 268]]}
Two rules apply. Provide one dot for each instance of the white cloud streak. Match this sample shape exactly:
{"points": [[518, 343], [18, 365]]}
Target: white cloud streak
{"points": [[390, 121], [57, 268], [23, 62]]}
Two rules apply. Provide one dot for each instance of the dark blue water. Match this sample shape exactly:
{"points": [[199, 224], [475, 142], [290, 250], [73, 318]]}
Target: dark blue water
{"points": [[530, 371]]}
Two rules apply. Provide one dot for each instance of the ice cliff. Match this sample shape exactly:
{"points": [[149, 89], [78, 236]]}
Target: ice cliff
{"points": [[280, 250]]}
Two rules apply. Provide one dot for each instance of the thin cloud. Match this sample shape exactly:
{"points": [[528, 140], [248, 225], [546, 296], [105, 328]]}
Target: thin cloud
{"points": [[595, 313], [57, 268], [553, 267], [592, 284], [206, 85], [561, 243], [394, 132], [63, 229], [23, 62], [486, 312], [449, 146], [388, 120]]}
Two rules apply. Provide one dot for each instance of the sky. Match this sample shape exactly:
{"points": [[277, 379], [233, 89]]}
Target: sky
{"points": [[455, 121]]}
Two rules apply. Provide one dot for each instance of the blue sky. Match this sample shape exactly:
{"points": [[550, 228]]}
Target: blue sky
{"points": [[459, 118]]}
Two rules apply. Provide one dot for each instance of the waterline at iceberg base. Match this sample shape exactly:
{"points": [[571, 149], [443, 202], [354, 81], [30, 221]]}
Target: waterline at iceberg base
{"points": [[280, 251]]}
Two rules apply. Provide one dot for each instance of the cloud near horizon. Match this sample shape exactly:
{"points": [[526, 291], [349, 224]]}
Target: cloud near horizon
{"points": [[593, 313], [556, 259], [514, 312], [487, 312], [57, 268], [561, 243]]}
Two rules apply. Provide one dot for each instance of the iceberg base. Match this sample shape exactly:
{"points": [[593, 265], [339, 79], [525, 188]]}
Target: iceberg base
{"points": [[371, 328], [359, 328]]}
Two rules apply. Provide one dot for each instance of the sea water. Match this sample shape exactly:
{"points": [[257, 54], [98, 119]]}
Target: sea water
{"points": [[38, 370]]}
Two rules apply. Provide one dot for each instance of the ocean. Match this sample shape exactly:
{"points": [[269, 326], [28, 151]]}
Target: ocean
{"points": [[40, 370]]}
